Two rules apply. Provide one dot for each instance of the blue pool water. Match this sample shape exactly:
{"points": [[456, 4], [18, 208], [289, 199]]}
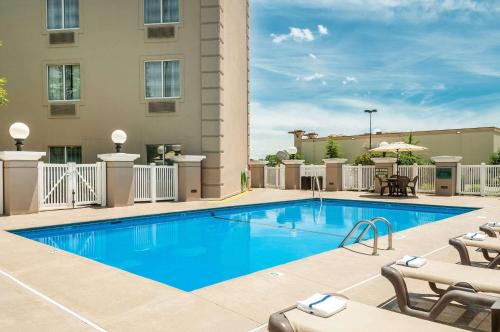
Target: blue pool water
{"points": [[191, 250]]}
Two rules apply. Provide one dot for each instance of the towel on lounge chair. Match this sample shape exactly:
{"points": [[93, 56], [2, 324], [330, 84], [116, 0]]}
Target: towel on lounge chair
{"points": [[322, 305], [475, 236], [412, 261], [493, 223]]}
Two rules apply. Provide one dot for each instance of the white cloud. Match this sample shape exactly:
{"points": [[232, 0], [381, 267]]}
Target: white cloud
{"points": [[322, 30], [313, 77], [349, 79], [313, 56], [296, 34]]}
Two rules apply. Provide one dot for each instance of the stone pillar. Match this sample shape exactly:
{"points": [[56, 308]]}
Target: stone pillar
{"points": [[189, 180], [446, 174], [20, 181], [384, 167], [119, 178], [257, 173], [292, 173], [333, 178]]}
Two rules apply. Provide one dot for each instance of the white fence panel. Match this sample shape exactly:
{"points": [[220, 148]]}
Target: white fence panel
{"points": [[358, 177], [426, 179], [1, 187], [470, 179], [155, 183], [70, 185], [274, 177], [492, 180]]}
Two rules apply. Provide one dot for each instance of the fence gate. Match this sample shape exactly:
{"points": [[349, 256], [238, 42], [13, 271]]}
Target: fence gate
{"points": [[66, 186]]}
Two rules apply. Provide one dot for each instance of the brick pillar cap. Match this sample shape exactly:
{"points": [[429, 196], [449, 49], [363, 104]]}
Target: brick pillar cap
{"points": [[21, 155], [118, 157]]}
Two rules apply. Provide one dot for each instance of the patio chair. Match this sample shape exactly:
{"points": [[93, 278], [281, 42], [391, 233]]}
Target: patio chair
{"points": [[413, 185], [401, 186], [357, 317], [466, 285], [487, 246], [384, 184]]}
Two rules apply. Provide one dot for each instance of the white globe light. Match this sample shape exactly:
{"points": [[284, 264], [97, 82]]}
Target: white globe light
{"points": [[292, 150], [119, 137], [161, 149], [19, 131]]}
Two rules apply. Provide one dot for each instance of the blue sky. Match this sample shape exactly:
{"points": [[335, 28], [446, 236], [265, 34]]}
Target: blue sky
{"points": [[424, 64]]}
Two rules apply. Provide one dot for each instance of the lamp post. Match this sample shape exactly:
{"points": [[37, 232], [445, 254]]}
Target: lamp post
{"points": [[370, 112], [19, 132], [119, 137]]}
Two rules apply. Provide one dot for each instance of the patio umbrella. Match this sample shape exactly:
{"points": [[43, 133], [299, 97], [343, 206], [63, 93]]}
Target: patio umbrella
{"points": [[398, 147]]}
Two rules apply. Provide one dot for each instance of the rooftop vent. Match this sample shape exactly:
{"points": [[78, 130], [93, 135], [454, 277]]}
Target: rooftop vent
{"points": [[161, 32], [161, 107], [59, 38], [62, 109]]}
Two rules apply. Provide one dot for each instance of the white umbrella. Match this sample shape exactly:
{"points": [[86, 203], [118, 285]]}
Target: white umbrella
{"points": [[398, 147]]}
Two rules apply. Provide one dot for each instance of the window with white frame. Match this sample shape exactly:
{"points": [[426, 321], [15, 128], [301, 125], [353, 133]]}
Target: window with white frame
{"points": [[63, 82], [65, 154], [161, 11], [63, 14], [162, 79]]}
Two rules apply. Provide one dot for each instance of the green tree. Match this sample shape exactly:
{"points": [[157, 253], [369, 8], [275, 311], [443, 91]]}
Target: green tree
{"points": [[332, 148], [366, 158], [272, 160], [495, 158], [3, 92]]}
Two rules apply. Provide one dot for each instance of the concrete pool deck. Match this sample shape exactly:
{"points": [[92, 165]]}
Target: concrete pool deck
{"points": [[43, 288]]}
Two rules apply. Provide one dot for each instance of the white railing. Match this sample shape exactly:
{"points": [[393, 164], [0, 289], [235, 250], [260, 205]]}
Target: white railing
{"points": [[1, 187], [478, 179], [70, 185], [274, 177], [426, 176], [155, 183], [358, 177], [314, 170]]}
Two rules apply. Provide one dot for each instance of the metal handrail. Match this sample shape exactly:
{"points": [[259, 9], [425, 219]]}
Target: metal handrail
{"points": [[389, 231], [314, 184], [369, 224]]}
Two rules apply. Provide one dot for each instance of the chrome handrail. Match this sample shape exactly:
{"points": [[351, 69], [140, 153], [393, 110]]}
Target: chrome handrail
{"points": [[389, 231], [314, 184], [369, 224]]}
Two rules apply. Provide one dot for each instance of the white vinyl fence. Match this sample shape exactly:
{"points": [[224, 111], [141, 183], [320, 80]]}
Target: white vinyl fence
{"points": [[155, 183], [358, 177], [274, 177], [426, 176], [478, 179], [62, 186]]}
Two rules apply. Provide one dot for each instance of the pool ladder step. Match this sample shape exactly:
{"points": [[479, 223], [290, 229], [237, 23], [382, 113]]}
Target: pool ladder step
{"points": [[370, 224]]}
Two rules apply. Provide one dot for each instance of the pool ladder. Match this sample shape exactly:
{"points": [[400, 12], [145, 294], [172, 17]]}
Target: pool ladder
{"points": [[315, 185], [370, 224]]}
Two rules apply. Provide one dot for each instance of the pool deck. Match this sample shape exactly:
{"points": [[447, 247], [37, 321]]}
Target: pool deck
{"points": [[44, 289]]}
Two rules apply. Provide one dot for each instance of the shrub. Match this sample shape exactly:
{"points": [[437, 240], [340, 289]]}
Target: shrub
{"points": [[332, 148]]}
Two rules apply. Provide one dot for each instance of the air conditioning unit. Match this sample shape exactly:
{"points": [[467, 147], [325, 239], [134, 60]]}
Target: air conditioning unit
{"points": [[161, 32], [61, 38], [161, 107], [62, 109]]}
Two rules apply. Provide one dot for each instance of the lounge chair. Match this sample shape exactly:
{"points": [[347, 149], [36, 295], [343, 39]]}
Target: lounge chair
{"points": [[412, 185], [466, 285], [487, 246], [357, 317], [491, 231]]}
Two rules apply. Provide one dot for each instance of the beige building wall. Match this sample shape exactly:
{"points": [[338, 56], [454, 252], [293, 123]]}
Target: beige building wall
{"points": [[111, 47], [474, 144]]}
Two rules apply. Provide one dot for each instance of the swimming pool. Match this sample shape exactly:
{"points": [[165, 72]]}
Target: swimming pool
{"points": [[191, 250]]}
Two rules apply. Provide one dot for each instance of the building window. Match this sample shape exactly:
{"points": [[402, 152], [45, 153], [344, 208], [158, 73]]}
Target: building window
{"points": [[161, 11], [162, 154], [162, 79], [64, 82], [63, 14], [65, 154]]}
